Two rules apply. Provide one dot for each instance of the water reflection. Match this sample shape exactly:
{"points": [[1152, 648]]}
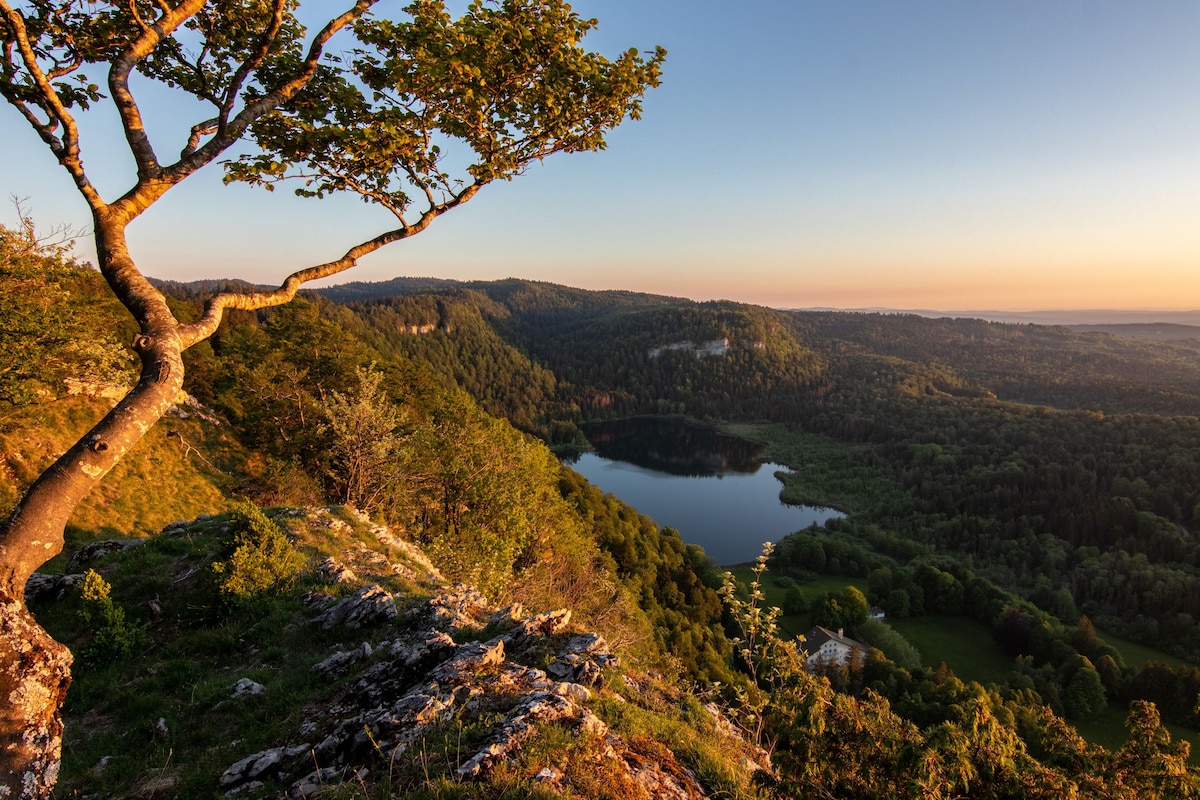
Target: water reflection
{"points": [[710, 487], [674, 446]]}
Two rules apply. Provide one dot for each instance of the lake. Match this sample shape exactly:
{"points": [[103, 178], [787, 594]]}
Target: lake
{"points": [[710, 487]]}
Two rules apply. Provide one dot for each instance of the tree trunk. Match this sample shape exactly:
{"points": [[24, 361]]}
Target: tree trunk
{"points": [[35, 672], [35, 669]]}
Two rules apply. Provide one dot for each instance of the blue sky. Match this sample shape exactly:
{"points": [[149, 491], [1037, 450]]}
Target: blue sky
{"points": [[953, 155]]}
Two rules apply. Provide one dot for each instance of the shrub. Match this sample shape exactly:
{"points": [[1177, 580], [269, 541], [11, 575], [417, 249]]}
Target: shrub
{"points": [[262, 558], [794, 602], [113, 636]]}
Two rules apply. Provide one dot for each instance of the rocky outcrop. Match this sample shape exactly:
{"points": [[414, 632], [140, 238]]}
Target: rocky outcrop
{"points": [[529, 672], [370, 605], [400, 677], [712, 347], [95, 551], [356, 563], [41, 586]]}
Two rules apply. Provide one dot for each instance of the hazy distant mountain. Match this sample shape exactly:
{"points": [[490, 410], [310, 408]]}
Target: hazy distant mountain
{"points": [[1073, 318], [1161, 331]]}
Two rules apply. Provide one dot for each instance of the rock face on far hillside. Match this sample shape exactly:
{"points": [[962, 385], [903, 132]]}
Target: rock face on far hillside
{"points": [[435, 668]]}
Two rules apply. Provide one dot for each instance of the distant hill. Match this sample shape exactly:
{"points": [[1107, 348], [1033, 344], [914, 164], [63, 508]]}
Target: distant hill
{"points": [[517, 293], [547, 356], [1160, 331], [1069, 317]]}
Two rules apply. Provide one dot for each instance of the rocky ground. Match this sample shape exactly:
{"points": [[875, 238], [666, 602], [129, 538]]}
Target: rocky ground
{"points": [[523, 699]]}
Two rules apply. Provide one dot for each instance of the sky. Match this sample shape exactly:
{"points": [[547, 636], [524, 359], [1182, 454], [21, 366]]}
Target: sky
{"points": [[936, 154]]}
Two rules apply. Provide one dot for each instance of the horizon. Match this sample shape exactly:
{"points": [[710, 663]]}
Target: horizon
{"points": [[934, 155], [1044, 316]]}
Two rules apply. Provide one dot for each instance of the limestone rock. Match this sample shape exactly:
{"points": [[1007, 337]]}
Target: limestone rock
{"points": [[97, 550], [247, 688], [342, 660], [421, 679], [332, 570], [264, 764], [459, 608], [50, 587], [371, 605]]}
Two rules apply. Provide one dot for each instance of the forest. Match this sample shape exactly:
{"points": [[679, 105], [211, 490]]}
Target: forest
{"points": [[1041, 456], [975, 487], [1058, 469]]}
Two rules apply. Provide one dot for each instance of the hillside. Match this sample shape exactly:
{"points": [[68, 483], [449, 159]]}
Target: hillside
{"points": [[189, 457], [1166, 331], [318, 406], [366, 673], [310, 652], [992, 443]]}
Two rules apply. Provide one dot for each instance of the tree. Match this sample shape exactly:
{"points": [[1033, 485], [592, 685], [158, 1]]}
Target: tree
{"points": [[365, 444], [1149, 764], [845, 609], [40, 311], [506, 84], [1085, 692]]}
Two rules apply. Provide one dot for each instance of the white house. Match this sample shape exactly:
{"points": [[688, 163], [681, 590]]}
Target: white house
{"points": [[825, 648]]}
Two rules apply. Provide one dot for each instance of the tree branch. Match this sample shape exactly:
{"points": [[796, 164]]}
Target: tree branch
{"points": [[67, 148], [118, 83], [76, 61], [250, 64], [199, 130], [195, 156], [270, 101], [215, 309]]}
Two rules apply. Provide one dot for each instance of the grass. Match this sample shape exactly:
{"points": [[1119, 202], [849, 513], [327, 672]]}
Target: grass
{"points": [[197, 649], [796, 624], [194, 654], [965, 644], [134, 500], [1136, 655], [1108, 730]]}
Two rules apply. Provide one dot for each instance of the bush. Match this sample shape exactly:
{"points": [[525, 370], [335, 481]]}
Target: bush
{"points": [[794, 602], [262, 558], [891, 643], [112, 635]]}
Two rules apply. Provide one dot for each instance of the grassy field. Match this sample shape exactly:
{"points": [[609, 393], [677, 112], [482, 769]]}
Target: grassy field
{"points": [[1108, 730], [1136, 655], [796, 624], [966, 646]]}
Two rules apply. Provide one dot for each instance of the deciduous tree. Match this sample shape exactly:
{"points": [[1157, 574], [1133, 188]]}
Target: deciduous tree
{"points": [[506, 84]]}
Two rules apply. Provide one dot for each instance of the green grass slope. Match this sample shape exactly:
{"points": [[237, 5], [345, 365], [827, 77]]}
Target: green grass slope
{"points": [[181, 468]]}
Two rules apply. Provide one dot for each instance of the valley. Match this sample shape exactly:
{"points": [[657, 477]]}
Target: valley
{"points": [[1017, 500]]}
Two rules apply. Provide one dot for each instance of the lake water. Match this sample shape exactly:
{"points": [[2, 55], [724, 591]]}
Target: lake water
{"points": [[710, 487]]}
